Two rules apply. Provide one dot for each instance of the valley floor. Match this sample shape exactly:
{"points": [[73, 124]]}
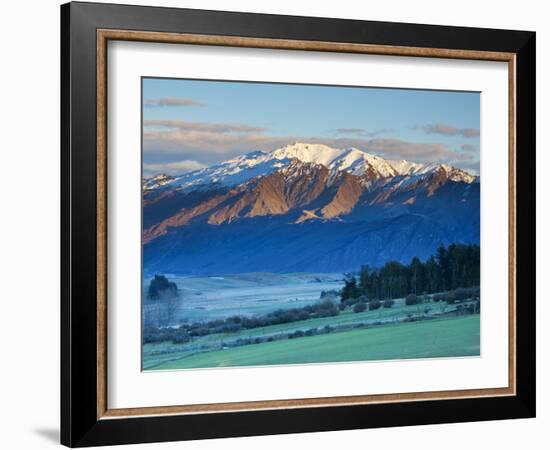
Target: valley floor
{"points": [[451, 336], [206, 298]]}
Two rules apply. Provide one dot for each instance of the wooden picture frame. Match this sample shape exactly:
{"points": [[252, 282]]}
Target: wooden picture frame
{"points": [[86, 418]]}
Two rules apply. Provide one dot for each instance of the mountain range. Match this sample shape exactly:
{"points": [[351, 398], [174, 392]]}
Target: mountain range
{"points": [[305, 208]]}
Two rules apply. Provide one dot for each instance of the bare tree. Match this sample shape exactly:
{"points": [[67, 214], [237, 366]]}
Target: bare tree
{"points": [[162, 303], [169, 303]]}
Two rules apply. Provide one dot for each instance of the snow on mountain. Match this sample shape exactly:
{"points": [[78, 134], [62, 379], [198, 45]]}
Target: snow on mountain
{"points": [[157, 181], [310, 153], [231, 172], [350, 160], [404, 167], [460, 175], [259, 163]]}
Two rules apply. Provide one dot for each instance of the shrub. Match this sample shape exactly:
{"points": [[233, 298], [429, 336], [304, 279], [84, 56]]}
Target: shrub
{"points": [[229, 328], [354, 301], [331, 295], [200, 331], [359, 307], [153, 335], [388, 303], [320, 309], [449, 297], [374, 304], [243, 341], [462, 294], [411, 299], [350, 302], [438, 297], [296, 334]]}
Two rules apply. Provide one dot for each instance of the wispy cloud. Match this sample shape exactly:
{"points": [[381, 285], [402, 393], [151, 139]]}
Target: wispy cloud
{"points": [[414, 151], [208, 143], [468, 148], [184, 125], [470, 132], [172, 101], [449, 130], [363, 131], [350, 130], [171, 168], [379, 132], [470, 166]]}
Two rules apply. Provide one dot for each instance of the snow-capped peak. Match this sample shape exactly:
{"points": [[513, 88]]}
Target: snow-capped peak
{"points": [[310, 153], [403, 167], [259, 163], [157, 181], [349, 159]]}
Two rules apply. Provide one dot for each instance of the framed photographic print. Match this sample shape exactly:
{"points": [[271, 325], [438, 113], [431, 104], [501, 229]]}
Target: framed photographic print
{"points": [[277, 224]]}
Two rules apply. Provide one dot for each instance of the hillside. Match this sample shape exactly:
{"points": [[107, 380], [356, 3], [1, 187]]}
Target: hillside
{"points": [[305, 208]]}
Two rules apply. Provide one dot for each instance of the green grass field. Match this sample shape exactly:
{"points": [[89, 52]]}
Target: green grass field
{"points": [[449, 337], [159, 353]]}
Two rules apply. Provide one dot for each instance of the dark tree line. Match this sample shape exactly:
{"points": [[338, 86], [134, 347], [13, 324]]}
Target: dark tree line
{"points": [[232, 324], [450, 268]]}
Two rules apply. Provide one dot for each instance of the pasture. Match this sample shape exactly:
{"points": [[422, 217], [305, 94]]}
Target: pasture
{"points": [[443, 337]]}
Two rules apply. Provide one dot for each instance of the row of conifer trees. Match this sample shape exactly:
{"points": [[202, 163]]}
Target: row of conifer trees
{"points": [[452, 267]]}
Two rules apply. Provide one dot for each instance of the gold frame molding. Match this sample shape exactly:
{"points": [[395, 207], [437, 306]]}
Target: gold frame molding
{"points": [[105, 35]]}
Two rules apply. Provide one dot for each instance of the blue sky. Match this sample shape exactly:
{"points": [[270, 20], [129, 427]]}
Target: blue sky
{"points": [[190, 124]]}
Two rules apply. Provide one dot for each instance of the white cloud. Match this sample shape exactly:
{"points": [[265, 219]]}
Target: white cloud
{"points": [[186, 125], [363, 131], [449, 130], [350, 130], [468, 148], [207, 143], [172, 101], [171, 168]]}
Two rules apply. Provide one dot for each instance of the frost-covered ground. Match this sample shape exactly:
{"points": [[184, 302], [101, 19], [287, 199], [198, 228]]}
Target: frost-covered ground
{"points": [[204, 298]]}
